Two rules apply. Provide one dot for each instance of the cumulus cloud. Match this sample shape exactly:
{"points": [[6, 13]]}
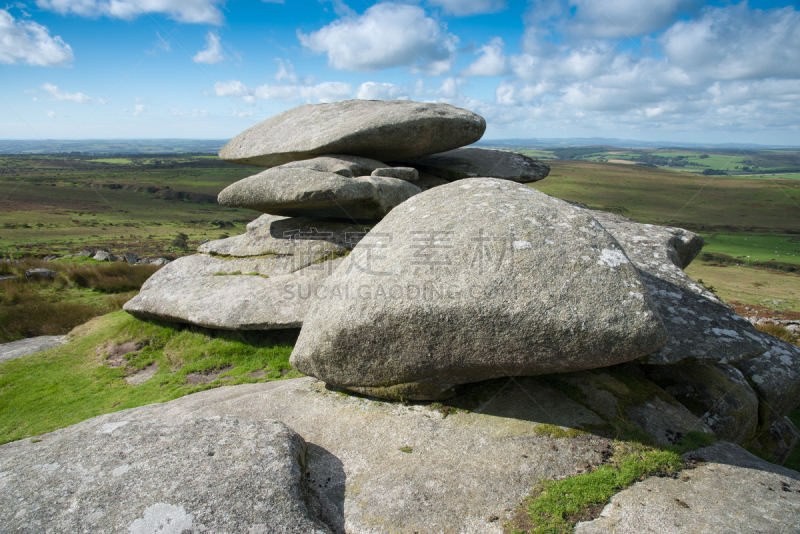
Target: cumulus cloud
{"points": [[386, 35], [241, 113], [623, 18], [463, 8], [80, 98], [737, 42], [31, 43], [50, 113], [381, 91], [199, 113], [491, 62], [212, 53], [185, 11], [138, 110], [322, 92], [727, 68], [176, 112]]}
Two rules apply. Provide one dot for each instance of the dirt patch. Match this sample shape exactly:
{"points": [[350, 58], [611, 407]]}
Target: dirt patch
{"points": [[142, 375], [195, 379], [749, 310], [258, 374], [621, 161], [115, 354]]}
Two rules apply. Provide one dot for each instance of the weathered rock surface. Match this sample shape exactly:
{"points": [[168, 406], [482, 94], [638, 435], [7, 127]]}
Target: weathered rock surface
{"points": [[718, 394], [734, 491], [31, 345], [701, 328], [380, 130], [240, 294], [473, 280], [473, 162], [778, 440], [775, 375], [305, 192], [142, 471], [358, 479], [621, 391], [289, 236], [409, 174], [341, 164], [428, 181], [131, 257]]}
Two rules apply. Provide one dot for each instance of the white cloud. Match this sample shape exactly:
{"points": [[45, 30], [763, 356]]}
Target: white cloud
{"points": [[381, 91], [492, 62], [450, 88], [31, 43], [737, 42], [463, 8], [50, 113], [386, 35], [138, 110], [80, 98], [285, 71], [212, 52], [199, 113], [321, 92], [175, 111], [623, 18], [185, 11], [240, 113]]}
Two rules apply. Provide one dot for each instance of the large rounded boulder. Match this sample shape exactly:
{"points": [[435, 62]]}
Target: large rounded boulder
{"points": [[477, 279]]}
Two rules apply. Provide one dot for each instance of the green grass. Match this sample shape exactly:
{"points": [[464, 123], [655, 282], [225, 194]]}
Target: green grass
{"points": [[756, 247], [63, 386], [116, 161]]}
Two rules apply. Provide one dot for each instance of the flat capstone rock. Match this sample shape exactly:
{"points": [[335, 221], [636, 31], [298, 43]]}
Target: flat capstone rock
{"points": [[380, 130], [730, 491], [225, 296], [341, 164], [473, 162], [144, 472], [409, 174], [477, 279], [290, 236], [301, 192]]}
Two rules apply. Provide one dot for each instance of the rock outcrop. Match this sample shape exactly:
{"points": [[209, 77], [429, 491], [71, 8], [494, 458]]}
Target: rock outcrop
{"points": [[380, 130]]}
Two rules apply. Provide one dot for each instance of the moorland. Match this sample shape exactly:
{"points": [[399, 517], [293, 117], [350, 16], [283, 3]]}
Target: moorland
{"points": [[61, 204]]}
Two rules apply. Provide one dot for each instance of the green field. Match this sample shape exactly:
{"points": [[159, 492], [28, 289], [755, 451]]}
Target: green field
{"points": [[60, 204], [756, 248]]}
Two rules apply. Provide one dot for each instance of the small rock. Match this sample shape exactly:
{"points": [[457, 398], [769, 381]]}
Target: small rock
{"points": [[41, 274], [472, 162], [103, 255], [130, 257], [409, 174], [341, 164]]}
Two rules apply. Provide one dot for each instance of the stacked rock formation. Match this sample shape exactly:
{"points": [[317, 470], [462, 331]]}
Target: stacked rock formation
{"points": [[416, 267], [334, 170]]}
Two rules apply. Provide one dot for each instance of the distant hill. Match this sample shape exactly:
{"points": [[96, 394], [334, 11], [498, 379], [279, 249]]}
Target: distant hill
{"points": [[610, 142], [113, 146]]}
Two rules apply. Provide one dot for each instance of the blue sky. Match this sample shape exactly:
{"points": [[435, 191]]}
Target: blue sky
{"points": [[668, 70]]}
